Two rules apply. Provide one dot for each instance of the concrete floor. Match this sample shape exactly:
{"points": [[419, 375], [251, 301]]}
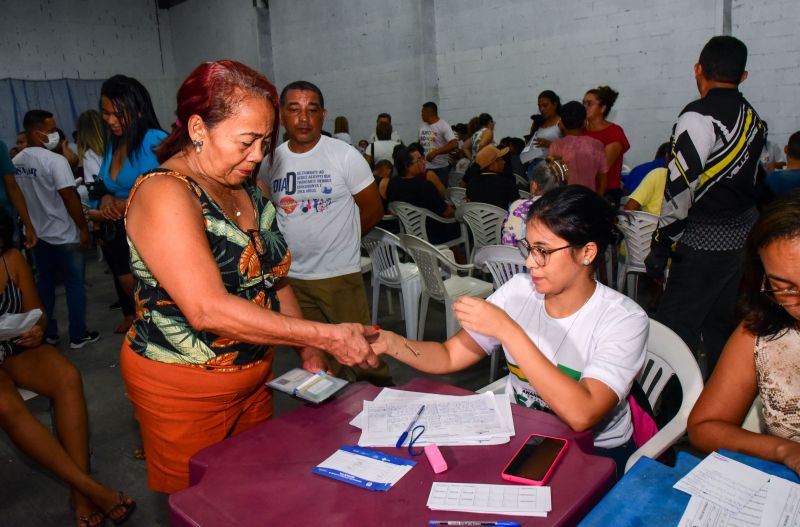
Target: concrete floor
{"points": [[31, 496]]}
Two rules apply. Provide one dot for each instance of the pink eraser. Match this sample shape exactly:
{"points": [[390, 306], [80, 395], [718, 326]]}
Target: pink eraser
{"points": [[435, 459]]}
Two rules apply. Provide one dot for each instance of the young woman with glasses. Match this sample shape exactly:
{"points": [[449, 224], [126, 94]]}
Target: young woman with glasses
{"points": [[573, 345], [761, 357]]}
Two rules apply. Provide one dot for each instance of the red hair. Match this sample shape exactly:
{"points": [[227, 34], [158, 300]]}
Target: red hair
{"points": [[213, 91]]}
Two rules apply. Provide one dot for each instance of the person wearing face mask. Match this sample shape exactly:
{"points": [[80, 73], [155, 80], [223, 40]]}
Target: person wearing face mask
{"points": [[48, 186]]}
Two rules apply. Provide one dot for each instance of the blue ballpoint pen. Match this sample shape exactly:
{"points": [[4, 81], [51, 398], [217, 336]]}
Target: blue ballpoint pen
{"points": [[404, 435], [473, 522]]}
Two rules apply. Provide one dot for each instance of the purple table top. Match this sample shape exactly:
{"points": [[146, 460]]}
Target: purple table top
{"points": [[263, 476]]}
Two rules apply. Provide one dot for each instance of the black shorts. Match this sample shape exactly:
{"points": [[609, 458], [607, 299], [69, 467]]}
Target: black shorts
{"points": [[115, 240]]}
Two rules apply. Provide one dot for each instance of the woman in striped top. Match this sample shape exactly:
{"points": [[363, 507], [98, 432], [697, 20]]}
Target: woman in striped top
{"points": [[26, 362]]}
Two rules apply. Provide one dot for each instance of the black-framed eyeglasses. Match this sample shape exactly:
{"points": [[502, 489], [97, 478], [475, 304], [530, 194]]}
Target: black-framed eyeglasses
{"points": [[783, 297], [540, 256], [259, 246]]}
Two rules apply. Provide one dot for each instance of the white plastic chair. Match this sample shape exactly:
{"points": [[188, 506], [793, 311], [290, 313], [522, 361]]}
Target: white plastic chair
{"points": [[412, 220], [485, 221], [457, 196], [637, 227], [388, 270], [667, 355], [521, 181], [524, 195], [502, 262], [430, 262]]}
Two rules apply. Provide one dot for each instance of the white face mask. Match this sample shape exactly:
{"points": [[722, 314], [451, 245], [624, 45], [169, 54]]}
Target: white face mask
{"points": [[52, 140]]}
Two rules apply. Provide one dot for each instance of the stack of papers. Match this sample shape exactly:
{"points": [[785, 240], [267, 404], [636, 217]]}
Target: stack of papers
{"points": [[513, 500], [364, 468], [449, 420], [728, 493]]}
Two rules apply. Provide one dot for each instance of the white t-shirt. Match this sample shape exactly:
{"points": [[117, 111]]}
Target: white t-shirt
{"points": [[604, 340], [395, 137], [382, 150], [91, 165], [313, 194], [531, 151], [433, 136], [41, 174], [344, 136]]}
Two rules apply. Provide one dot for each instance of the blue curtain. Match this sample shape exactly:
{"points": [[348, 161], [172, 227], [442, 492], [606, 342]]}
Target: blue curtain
{"points": [[65, 98]]}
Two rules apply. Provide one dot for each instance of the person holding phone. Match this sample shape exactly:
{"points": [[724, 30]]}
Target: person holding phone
{"points": [[573, 346]]}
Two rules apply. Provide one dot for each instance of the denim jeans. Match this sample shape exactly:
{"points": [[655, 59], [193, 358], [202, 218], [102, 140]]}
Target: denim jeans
{"points": [[70, 262]]}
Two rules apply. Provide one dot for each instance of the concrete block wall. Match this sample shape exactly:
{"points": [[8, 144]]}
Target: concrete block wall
{"points": [[498, 55], [770, 30], [207, 30], [370, 56], [364, 55], [89, 39]]}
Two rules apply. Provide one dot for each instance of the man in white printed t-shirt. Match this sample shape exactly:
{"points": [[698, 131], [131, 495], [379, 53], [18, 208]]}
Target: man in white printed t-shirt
{"points": [[326, 198], [438, 140], [48, 185]]}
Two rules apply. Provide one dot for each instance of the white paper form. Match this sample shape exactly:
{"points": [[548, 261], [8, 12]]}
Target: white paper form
{"points": [[514, 500], [472, 419], [783, 504], [500, 435], [702, 513], [723, 481], [12, 325]]}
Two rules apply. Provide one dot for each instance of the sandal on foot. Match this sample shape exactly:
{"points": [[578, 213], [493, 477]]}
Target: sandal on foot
{"points": [[123, 509], [93, 519]]}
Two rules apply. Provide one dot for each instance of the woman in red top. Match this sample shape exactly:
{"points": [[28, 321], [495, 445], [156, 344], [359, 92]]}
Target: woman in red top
{"points": [[598, 102]]}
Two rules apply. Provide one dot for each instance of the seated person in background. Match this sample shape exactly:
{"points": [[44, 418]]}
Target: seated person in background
{"points": [[649, 194], [548, 174], [761, 357], [772, 158], [410, 186], [782, 181], [513, 163], [382, 173], [584, 155], [383, 146], [429, 174], [26, 362], [573, 346], [491, 186], [637, 174]]}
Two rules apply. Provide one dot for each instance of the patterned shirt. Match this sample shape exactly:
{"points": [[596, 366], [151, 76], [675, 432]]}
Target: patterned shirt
{"points": [[710, 194], [251, 264]]}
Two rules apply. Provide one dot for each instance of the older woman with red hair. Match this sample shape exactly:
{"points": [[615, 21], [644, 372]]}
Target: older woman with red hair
{"points": [[210, 261]]}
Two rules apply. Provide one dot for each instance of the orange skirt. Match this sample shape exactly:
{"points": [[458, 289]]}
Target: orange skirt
{"points": [[182, 409]]}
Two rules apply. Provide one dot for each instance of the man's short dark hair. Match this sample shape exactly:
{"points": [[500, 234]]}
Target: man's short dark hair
{"points": [[383, 131], [724, 59], [416, 147], [663, 150], [573, 114], [384, 163], [794, 146], [430, 105], [384, 116], [35, 118], [302, 86]]}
